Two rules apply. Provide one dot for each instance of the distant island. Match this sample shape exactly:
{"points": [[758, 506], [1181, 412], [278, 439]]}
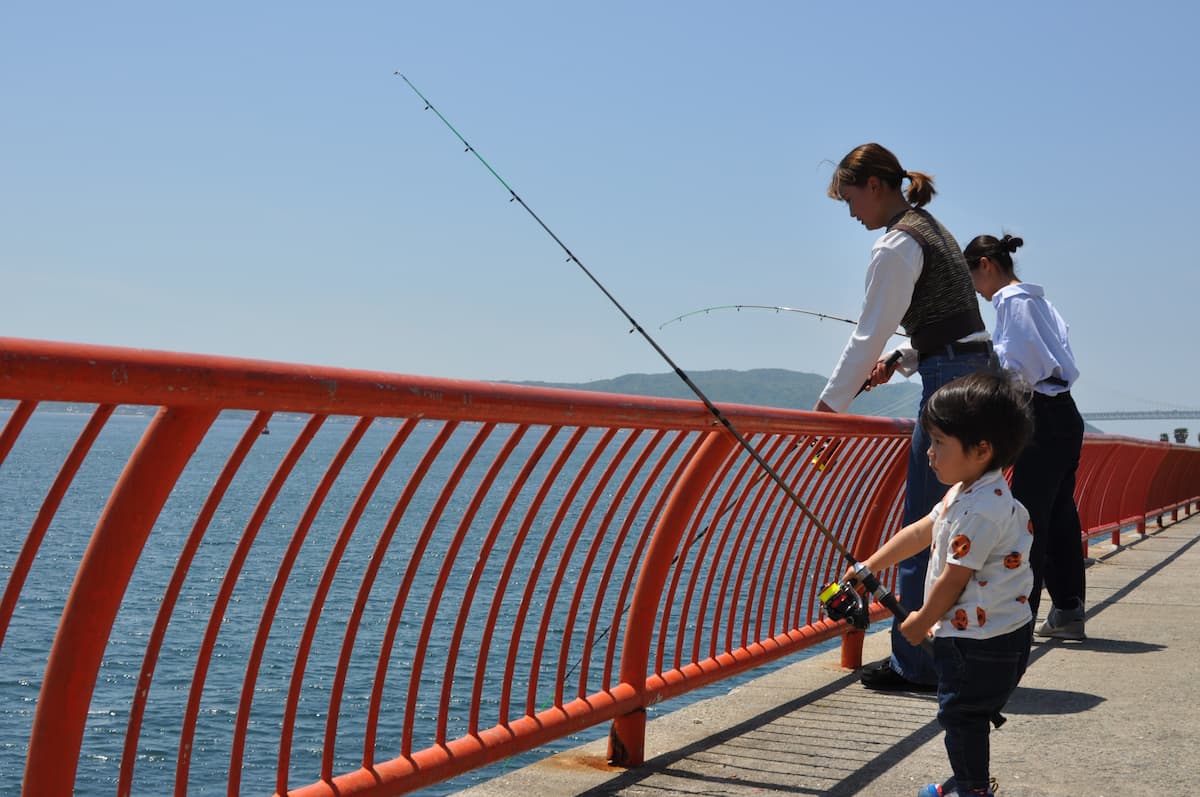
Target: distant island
{"points": [[762, 387]]}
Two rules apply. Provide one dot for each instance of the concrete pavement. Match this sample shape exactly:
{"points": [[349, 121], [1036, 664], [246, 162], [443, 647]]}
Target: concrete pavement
{"points": [[1106, 717]]}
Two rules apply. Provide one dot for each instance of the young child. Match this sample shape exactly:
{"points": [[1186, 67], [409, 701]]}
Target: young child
{"points": [[978, 582]]}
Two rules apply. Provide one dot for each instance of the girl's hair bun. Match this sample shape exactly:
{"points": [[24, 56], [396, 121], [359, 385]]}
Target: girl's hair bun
{"points": [[1010, 244]]}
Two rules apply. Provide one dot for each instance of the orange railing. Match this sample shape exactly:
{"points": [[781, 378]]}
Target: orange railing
{"points": [[278, 578]]}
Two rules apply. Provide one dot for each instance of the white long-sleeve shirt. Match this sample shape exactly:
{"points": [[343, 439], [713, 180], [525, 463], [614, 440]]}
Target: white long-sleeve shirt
{"points": [[896, 265], [1031, 338]]}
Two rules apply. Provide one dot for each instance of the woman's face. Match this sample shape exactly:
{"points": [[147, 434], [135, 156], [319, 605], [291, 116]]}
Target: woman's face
{"points": [[866, 203], [986, 278]]}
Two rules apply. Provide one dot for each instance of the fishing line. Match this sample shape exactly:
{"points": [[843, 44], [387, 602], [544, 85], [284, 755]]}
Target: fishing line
{"points": [[699, 536], [863, 574]]}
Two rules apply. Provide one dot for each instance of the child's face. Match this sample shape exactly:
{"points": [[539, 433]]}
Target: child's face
{"points": [[952, 462]]}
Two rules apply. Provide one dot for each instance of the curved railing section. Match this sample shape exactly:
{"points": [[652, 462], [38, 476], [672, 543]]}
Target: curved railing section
{"points": [[315, 581]]}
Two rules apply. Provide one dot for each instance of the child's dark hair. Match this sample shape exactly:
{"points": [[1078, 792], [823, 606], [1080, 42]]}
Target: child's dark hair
{"points": [[997, 250], [985, 405]]}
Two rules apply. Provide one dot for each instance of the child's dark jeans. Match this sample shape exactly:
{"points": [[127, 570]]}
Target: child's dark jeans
{"points": [[975, 679]]}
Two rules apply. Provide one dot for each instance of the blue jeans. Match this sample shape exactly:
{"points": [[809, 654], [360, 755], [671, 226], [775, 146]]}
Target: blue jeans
{"points": [[975, 679], [922, 492]]}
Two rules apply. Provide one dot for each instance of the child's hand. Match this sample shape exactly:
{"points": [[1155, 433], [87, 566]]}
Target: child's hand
{"points": [[914, 630]]}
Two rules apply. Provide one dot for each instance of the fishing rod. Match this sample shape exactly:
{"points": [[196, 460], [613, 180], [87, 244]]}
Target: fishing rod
{"points": [[741, 307], [892, 360], [862, 573], [778, 308]]}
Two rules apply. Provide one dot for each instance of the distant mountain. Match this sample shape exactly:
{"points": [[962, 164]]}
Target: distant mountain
{"points": [[763, 387]]}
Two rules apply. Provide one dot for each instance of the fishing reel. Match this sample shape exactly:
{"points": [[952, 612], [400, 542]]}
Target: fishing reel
{"points": [[844, 601]]}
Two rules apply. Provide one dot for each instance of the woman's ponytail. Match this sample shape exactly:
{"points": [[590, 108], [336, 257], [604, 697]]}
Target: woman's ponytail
{"points": [[920, 189]]}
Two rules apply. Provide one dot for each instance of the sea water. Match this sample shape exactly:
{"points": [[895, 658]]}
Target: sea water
{"points": [[30, 469]]}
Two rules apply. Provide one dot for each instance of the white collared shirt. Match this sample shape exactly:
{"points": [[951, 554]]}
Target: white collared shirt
{"points": [[1031, 338]]}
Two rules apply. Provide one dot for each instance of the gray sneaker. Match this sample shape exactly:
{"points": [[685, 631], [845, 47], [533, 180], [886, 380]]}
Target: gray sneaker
{"points": [[1063, 623]]}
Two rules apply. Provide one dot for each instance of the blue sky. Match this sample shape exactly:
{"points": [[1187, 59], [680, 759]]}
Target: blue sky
{"points": [[253, 180]]}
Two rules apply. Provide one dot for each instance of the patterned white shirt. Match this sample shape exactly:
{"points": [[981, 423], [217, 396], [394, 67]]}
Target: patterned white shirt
{"points": [[987, 530]]}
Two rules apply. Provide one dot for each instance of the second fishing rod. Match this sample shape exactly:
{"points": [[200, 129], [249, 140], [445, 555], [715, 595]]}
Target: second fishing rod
{"points": [[839, 602]]}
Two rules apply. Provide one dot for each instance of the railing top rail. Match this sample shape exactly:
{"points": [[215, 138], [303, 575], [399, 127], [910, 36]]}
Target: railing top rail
{"points": [[1125, 440], [86, 373]]}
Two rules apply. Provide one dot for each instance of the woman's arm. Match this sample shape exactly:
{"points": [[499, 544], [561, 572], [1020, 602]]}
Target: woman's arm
{"points": [[896, 264]]}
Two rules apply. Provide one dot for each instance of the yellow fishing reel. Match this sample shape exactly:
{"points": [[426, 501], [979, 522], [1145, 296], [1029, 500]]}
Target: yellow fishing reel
{"points": [[843, 601]]}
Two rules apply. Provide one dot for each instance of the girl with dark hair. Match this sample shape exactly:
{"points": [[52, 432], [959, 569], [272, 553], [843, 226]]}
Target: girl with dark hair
{"points": [[978, 582], [916, 279], [1032, 343]]}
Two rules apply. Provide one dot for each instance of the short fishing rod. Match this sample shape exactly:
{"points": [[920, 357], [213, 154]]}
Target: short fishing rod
{"points": [[778, 308], [775, 307], [892, 360], [863, 574]]}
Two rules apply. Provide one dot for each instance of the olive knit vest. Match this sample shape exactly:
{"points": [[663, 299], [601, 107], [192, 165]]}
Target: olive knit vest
{"points": [[943, 307]]}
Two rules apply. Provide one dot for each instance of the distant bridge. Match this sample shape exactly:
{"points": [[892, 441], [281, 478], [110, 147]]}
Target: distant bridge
{"points": [[1141, 415]]}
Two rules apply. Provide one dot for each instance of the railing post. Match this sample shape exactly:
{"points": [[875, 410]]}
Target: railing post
{"points": [[627, 736], [867, 542], [95, 597], [852, 647]]}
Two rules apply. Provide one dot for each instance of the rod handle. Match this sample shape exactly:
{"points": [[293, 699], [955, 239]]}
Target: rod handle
{"points": [[889, 362], [864, 575]]}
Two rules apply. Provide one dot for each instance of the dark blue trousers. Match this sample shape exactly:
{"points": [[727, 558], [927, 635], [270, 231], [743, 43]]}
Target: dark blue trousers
{"points": [[1044, 481], [975, 679], [922, 492]]}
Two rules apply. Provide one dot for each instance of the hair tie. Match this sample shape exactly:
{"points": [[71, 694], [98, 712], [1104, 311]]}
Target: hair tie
{"points": [[905, 176]]}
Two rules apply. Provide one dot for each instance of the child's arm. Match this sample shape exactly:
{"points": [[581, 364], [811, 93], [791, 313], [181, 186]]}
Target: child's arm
{"points": [[911, 539], [942, 596]]}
